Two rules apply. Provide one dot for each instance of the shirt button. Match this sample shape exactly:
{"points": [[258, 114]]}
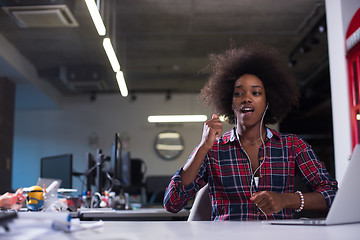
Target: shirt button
{"points": [[258, 213], [261, 176], [261, 158]]}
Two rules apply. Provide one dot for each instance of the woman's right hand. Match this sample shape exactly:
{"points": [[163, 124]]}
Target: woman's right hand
{"points": [[212, 130]]}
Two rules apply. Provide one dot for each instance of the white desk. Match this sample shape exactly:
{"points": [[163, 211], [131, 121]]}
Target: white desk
{"points": [[183, 230], [141, 214]]}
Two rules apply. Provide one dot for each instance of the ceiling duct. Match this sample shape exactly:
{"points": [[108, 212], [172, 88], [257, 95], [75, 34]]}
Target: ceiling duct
{"points": [[82, 78], [42, 16]]}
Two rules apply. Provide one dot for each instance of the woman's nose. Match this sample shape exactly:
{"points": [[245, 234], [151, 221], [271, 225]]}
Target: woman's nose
{"points": [[247, 98]]}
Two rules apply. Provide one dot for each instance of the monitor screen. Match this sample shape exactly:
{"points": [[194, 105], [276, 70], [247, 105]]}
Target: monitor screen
{"points": [[115, 158], [58, 167], [126, 169], [91, 171], [120, 163]]}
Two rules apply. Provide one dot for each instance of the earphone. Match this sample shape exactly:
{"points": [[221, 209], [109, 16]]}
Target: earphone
{"points": [[263, 143]]}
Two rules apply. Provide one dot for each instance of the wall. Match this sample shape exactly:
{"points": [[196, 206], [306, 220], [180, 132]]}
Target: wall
{"points": [[49, 132], [338, 16]]}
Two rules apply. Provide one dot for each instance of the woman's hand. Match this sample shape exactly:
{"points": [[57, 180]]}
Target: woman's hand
{"points": [[12, 200], [212, 130], [269, 202], [272, 202]]}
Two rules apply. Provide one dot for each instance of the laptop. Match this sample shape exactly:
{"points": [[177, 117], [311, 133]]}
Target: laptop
{"points": [[345, 208]]}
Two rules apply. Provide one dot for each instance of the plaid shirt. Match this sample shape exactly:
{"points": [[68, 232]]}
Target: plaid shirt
{"points": [[228, 172]]}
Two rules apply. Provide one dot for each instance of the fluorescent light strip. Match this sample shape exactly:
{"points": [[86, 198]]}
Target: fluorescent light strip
{"points": [[177, 118], [167, 147], [169, 135], [111, 54], [96, 17], [121, 83]]}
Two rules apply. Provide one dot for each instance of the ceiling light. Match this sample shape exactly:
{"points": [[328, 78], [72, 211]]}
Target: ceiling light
{"points": [[177, 118], [358, 117], [322, 28], [111, 54], [121, 83], [95, 15]]}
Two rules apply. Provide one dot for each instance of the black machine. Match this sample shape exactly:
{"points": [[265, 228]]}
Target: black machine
{"points": [[115, 173], [58, 167]]}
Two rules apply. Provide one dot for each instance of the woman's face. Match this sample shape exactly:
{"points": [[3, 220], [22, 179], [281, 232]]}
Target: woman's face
{"points": [[249, 100]]}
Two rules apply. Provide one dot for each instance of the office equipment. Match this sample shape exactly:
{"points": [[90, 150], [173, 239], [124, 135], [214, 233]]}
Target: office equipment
{"points": [[345, 206], [116, 158], [138, 170], [120, 164], [126, 169], [58, 167], [155, 188], [100, 170], [90, 173]]}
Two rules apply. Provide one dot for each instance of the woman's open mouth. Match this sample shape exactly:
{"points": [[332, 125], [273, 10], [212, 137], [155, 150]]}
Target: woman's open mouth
{"points": [[247, 110]]}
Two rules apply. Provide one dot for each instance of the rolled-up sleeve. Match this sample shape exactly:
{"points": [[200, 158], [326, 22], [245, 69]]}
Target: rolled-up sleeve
{"points": [[315, 174], [177, 195]]}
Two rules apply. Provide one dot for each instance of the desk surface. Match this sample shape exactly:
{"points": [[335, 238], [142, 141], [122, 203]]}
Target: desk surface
{"points": [[180, 230], [141, 214]]}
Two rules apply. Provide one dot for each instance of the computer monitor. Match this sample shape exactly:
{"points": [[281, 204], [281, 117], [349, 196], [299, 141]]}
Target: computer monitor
{"points": [[120, 163], [126, 169], [58, 167], [91, 171]]}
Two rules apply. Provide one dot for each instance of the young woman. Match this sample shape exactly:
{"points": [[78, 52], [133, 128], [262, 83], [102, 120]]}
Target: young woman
{"points": [[251, 169]]}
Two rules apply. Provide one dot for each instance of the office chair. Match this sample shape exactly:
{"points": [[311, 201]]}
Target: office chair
{"points": [[201, 208], [155, 188]]}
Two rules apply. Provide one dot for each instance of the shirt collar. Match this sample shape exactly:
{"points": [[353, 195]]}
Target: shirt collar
{"points": [[231, 135]]}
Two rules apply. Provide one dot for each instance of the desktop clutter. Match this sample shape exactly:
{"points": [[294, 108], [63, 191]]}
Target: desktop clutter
{"points": [[110, 186], [112, 181], [46, 198], [55, 199]]}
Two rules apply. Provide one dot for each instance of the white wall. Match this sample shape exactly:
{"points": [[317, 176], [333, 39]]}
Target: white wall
{"points": [[338, 17], [40, 133]]}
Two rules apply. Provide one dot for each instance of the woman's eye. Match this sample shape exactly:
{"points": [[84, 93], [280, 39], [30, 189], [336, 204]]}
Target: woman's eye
{"points": [[256, 93], [238, 94]]}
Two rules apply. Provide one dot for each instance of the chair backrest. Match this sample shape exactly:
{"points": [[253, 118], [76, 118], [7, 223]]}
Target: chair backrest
{"points": [[155, 188], [201, 209], [138, 170]]}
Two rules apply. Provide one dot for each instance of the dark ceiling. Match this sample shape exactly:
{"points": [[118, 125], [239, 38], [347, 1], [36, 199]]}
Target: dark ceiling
{"points": [[163, 44]]}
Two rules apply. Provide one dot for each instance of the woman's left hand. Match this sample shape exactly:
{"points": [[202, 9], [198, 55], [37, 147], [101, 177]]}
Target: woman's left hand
{"points": [[269, 202]]}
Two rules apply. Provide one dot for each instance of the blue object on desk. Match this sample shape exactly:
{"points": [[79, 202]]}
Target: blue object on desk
{"points": [[35, 199]]}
